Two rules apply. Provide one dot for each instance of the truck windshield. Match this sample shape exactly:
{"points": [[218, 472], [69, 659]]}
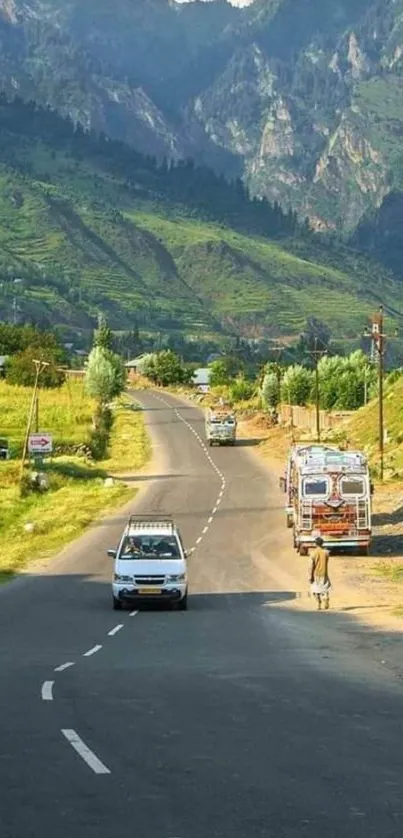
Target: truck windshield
{"points": [[352, 486], [315, 487], [150, 547]]}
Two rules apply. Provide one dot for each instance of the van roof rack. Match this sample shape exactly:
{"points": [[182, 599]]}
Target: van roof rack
{"points": [[152, 521]]}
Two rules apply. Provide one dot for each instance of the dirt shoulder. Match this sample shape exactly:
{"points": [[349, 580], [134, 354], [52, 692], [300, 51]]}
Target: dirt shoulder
{"points": [[370, 588]]}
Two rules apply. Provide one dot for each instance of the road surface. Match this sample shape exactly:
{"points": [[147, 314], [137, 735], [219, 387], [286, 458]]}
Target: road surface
{"points": [[243, 717]]}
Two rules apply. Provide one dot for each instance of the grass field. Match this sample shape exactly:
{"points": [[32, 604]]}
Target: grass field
{"points": [[78, 493]]}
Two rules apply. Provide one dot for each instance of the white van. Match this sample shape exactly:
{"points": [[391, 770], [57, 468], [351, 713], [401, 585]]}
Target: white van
{"points": [[150, 563]]}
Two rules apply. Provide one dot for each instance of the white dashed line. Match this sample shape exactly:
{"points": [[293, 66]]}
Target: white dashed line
{"points": [[92, 651], [85, 753], [133, 613], [115, 630], [210, 460], [47, 687], [63, 666]]}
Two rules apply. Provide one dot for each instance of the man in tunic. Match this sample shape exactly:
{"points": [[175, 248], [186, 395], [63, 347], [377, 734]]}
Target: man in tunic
{"points": [[319, 574]]}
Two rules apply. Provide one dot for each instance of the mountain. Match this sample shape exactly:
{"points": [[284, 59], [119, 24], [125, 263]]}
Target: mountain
{"points": [[88, 224], [303, 98]]}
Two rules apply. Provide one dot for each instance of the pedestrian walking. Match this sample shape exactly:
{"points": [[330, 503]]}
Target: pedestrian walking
{"points": [[319, 574]]}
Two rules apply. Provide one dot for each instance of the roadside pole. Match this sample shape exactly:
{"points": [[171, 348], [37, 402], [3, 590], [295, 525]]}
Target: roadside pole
{"points": [[39, 367], [378, 337]]}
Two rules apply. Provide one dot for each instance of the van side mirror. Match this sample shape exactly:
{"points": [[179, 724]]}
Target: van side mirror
{"points": [[112, 554], [283, 484]]}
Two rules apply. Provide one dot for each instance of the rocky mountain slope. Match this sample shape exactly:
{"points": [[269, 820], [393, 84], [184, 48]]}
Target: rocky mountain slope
{"points": [[88, 225], [304, 98]]}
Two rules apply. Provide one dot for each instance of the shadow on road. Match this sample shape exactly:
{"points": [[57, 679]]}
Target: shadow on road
{"points": [[382, 519]]}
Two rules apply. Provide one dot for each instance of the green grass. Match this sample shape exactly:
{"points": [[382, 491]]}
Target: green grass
{"points": [[251, 278], [389, 572], [362, 430], [78, 494]]}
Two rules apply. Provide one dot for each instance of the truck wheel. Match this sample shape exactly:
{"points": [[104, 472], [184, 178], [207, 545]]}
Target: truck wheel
{"points": [[117, 605], [302, 550], [290, 522], [363, 551]]}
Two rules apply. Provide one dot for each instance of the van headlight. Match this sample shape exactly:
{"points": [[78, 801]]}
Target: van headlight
{"points": [[176, 577], [118, 578]]}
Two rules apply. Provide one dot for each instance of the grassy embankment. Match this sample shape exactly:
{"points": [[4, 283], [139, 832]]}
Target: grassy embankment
{"points": [[78, 493]]}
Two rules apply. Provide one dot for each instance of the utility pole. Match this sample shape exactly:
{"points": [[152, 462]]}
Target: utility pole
{"points": [[377, 335], [317, 354], [39, 367]]}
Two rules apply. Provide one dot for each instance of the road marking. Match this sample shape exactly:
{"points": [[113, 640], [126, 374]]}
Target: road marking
{"points": [[198, 540], [63, 666], [47, 688], [92, 651], [210, 519], [205, 529], [85, 753], [133, 613], [115, 630], [215, 510]]}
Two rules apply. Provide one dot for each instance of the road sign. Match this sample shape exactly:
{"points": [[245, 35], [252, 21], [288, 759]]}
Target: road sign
{"points": [[4, 449], [40, 443]]}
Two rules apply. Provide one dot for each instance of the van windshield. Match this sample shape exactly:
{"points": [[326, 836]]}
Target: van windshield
{"points": [[149, 547]]}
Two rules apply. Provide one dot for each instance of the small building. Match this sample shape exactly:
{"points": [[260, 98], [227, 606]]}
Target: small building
{"points": [[132, 367]]}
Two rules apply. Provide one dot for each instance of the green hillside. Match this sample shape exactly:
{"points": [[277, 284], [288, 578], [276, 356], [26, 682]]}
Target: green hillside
{"points": [[90, 225], [363, 429]]}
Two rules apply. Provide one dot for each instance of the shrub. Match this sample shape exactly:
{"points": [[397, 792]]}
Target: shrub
{"points": [[21, 371]]}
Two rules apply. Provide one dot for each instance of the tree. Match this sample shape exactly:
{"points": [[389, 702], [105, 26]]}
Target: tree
{"points": [[170, 369], [224, 370], [104, 378], [296, 385], [270, 390], [21, 370], [103, 335]]}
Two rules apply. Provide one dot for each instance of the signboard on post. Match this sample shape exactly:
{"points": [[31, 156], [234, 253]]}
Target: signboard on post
{"points": [[4, 449], [41, 443]]}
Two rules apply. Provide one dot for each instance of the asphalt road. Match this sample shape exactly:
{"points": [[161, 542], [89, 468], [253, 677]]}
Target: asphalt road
{"points": [[242, 717]]}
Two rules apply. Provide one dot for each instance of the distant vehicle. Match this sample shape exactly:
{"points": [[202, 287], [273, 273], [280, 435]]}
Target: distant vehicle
{"points": [[220, 426], [150, 563], [328, 494]]}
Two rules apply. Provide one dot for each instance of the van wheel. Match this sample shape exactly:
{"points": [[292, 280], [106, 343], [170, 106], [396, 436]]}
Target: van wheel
{"points": [[183, 603], [289, 522], [117, 605], [302, 550]]}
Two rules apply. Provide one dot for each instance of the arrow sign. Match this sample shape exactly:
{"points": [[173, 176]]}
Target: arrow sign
{"points": [[41, 443]]}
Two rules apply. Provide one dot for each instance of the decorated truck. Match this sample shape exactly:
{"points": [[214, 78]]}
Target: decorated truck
{"points": [[221, 426], [328, 494]]}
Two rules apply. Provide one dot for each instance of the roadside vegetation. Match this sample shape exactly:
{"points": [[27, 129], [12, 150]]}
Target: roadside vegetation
{"points": [[97, 433], [39, 524]]}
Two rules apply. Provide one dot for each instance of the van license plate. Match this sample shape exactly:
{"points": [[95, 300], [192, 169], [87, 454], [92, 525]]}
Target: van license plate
{"points": [[149, 590]]}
